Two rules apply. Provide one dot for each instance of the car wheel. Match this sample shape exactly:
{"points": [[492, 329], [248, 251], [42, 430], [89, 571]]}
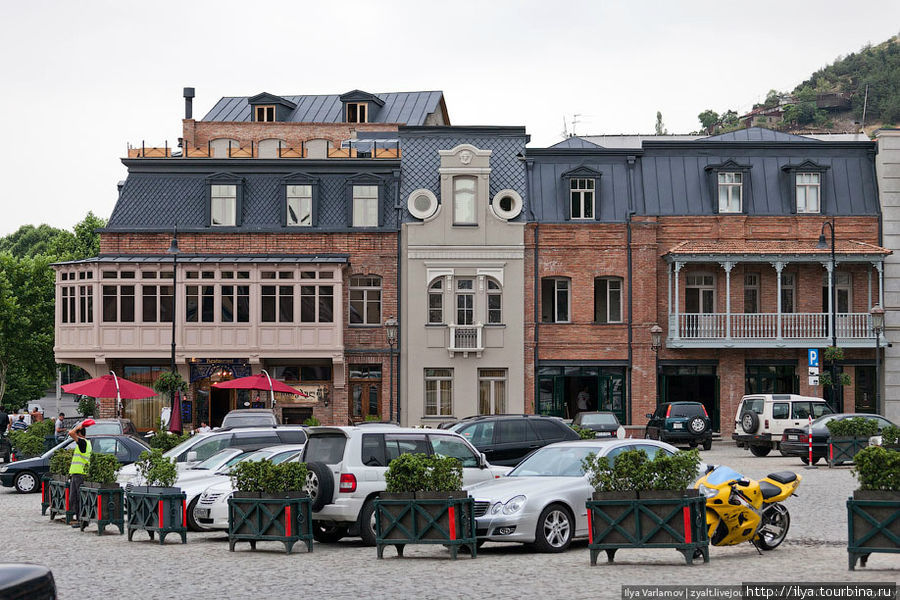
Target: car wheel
{"points": [[328, 533], [697, 425], [26, 482], [367, 522], [749, 421], [319, 485], [555, 528], [707, 444], [192, 523], [760, 450]]}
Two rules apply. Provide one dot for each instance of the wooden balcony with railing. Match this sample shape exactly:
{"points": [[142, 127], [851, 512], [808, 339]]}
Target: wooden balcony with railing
{"points": [[768, 330], [352, 149]]}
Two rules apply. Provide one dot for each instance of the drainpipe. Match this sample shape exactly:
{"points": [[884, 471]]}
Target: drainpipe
{"points": [[529, 166], [629, 387], [399, 207]]}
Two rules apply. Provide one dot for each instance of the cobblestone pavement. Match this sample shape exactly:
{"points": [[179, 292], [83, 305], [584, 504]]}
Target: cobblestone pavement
{"points": [[89, 566]]}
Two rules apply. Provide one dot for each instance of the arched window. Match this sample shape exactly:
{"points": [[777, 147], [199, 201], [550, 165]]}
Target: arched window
{"points": [[219, 147], [555, 302], [436, 301], [269, 148], [608, 300], [494, 302], [365, 300]]}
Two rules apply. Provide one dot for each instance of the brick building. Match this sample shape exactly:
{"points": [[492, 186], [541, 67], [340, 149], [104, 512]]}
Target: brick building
{"points": [[715, 240], [287, 232]]}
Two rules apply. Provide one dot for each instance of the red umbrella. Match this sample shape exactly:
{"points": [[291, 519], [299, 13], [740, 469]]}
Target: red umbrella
{"points": [[175, 417], [109, 386], [263, 382]]}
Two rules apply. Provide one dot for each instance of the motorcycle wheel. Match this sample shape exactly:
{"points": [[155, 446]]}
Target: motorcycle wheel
{"points": [[776, 520]]}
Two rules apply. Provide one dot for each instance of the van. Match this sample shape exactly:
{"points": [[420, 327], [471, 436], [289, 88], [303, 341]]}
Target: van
{"points": [[762, 418]]}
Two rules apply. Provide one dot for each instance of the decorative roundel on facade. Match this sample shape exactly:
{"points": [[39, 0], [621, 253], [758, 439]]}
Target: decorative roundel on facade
{"points": [[507, 204], [422, 204]]}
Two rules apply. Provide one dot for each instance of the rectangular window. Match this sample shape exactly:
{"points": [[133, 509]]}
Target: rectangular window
{"points": [[148, 303], [166, 303], [464, 201], [307, 304], [554, 300], [491, 391], [285, 303], [365, 300], [809, 187], [126, 304], [494, 302], [607, 300], [156, 303], [223, 205], [730, 192], [751, 293], [299, 205], [436, 302], [438, 392], [191, 304], [207, 303], [699, 294], [86, 301], [787, 292], [277, 304], [235, 304], [365, 206], [581, 195], [465, 302], [326, 304], [264, 114], [68, 304], [356, 112]]}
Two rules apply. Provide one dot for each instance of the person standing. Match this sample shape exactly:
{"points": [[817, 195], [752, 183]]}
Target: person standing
{"points": [[80, 460], [584, 399], [20, 425], [60, 428], [36, 416]]}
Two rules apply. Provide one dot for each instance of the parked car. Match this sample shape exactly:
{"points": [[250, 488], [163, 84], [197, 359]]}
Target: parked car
{"points": [[605, 424], [249, 417], [201, 446], [111, 427], [25, 580], [507, 439], [680, 423], [347, 465], [541, 501], [795, 440], [25, 475], [761, 419], [209, 510]]}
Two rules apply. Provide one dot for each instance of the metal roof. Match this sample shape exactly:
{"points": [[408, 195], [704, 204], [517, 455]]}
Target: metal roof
{"points": [[214, 259], [633, 140], [756, 134], [410, 108]]}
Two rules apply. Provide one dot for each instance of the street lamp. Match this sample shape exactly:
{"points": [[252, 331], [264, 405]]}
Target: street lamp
{"points": [[655, 345], [173, 250], [877, 314], [821, 245], [390, 330]]}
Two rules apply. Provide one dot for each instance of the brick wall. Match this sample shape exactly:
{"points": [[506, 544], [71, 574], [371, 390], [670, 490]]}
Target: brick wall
{"points": [[198, 133]]}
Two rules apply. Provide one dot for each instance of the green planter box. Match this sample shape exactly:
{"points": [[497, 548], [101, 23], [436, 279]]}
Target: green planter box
{"points": [[59, 498], [270, 519], [104, 506], [873, 525], [844, 449], [677, 522], [157, 510], [427, 518], [45, 493]]}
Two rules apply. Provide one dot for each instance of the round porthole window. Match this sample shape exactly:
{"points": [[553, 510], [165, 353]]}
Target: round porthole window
{"points": [[422, 204], [507, 204]]}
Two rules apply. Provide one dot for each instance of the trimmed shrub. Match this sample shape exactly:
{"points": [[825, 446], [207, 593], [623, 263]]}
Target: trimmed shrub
{"points": [[877, 468], [61, 461], [852, 427], [156, 469], [102, 468]]}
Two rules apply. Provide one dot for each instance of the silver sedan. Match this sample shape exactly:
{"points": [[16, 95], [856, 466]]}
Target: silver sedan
{"points": [[542, 501]]}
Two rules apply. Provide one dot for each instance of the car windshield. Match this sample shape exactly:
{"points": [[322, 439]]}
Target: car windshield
{"points": [[599, 419], [723, 475], [562, 461], [251, 457], [820, 408], [685, 410], [59, 446], [218, 460], [104, 429]]}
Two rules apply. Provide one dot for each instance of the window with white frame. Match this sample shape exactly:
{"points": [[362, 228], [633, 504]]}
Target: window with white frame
{"points": [[788, 293], [68, 304], [316, 304], [299, 205], [436, 301], [608, 300], [730, 191], [700, 293], [581, 196], [235, 303], [277, 303], [118, 304], [464, 201], [555, 300], [156, 303], [223, 205], [494, 302], [365, 300], [365, 206], [438, 392], [491, 391], [751, 293], [465, 302], [842, 291], [809, 186], [86, 303]]}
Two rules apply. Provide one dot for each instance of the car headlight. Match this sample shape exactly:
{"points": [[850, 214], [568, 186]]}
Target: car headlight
{"points": [[708, 491], [496, 508], [514, 505], [4, 469]]}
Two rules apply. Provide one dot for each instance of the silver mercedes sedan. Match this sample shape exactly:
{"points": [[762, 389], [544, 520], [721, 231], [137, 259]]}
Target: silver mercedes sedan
{"points": [[542, 501]]}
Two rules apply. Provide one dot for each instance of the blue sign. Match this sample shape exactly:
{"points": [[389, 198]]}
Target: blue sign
{"points": [[813, 357]]}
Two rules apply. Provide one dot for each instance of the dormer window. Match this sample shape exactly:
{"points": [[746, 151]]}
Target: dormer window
{"points": [[581, 195], [464, 201], [264, 114], [808, 191], [299, 205], [223, 205], [357, 112], [730, 191]]}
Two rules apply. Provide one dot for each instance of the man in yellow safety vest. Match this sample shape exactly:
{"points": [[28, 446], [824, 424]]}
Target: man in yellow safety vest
{"points": [[80, 460]]}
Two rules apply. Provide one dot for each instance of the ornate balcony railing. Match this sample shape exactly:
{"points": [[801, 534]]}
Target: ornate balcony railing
{"points": [[466, 338]]}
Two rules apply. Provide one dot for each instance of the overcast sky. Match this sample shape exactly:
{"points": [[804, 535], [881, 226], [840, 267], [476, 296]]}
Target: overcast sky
{"points": [[83, 79]]}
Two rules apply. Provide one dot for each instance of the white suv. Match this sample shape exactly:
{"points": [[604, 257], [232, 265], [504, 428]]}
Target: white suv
{"points": [[347, 466], [762, 418]]}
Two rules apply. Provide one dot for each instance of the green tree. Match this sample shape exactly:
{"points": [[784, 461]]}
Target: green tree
{"points": [[708, 119], [660, 127], [31, 241], [773, 98]]}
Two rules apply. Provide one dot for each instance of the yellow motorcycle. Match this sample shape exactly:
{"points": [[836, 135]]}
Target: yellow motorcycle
{"points": [[739, 509]]}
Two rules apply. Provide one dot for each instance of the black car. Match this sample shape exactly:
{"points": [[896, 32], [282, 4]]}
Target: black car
{"points": [[795, 440], [605, 424], [680, 423], [249, 417], [24, 580], [507, 439], [25, 475]]}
